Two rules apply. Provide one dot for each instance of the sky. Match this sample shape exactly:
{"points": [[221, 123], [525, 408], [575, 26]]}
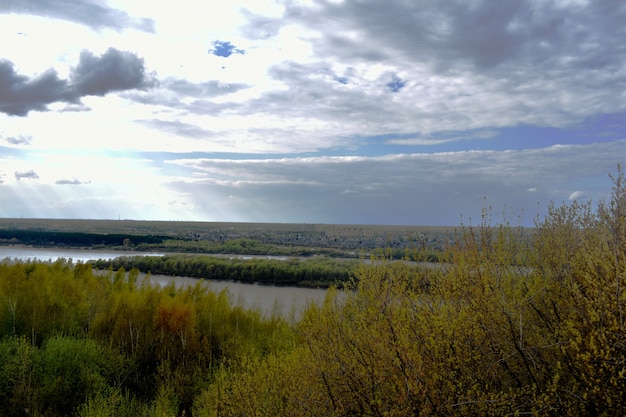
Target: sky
{"points": [[324, 111]]}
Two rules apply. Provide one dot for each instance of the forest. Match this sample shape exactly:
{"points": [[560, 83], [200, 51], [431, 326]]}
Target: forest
{"points": [[271, 239], [316, 272], [511, 323]]}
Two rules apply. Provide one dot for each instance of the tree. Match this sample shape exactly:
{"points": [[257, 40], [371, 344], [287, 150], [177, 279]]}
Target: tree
{"points": [[17, 376], [587, 299], [72, 370]]}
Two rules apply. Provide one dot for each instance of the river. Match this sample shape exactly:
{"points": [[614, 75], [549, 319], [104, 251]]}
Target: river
{"points": [[288, 302], [25, 253], [268, 299]]}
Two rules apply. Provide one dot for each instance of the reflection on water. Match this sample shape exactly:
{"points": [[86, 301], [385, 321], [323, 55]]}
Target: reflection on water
{"points": [[285, 301], [268, 299]]}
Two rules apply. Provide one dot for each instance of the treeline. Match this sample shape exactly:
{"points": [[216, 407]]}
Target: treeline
{"points": [[50, 238], [240, 246], [316, 272], [417, 251]]}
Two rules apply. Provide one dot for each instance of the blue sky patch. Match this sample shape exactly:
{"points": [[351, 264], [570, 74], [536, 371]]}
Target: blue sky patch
{"points": [[396, 84], [225, 49]]}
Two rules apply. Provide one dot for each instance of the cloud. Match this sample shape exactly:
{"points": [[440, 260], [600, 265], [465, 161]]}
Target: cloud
{"points": [[114, 71], [178, 128], [225, 49], [409, 67], [259, 26], [455, 33], [443, 137], [19, 140], [187, 96], [205, 89], [20, 94], [400, 189], [313, 92], [31, 175], [73, 181], [576, 195], [92, 13]]}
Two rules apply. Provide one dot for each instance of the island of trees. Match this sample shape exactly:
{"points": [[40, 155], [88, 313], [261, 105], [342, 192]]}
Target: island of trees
{"points": [[506, 322]]}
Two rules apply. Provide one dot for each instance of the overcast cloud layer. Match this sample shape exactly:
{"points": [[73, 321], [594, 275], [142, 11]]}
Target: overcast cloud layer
{"points": [[309, 111]]}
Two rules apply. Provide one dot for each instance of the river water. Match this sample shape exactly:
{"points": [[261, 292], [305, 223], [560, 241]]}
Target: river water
{"points": [[23, 253], [288, 302]]}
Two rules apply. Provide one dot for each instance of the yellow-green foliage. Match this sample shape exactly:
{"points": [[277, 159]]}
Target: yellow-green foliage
{"points": [[77, 343], [507, 326]]}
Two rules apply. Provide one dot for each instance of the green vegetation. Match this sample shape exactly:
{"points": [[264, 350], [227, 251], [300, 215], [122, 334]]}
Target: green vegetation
{"points": [[507, 324], [76, 343], [63, 239], [345, 241], [317, 272], [239, 246]]}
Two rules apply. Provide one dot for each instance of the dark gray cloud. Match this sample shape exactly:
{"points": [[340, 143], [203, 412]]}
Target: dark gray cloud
{"points": [[20, 94], [31, 175], [452, 33], [113, 71], [92, 13]]}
